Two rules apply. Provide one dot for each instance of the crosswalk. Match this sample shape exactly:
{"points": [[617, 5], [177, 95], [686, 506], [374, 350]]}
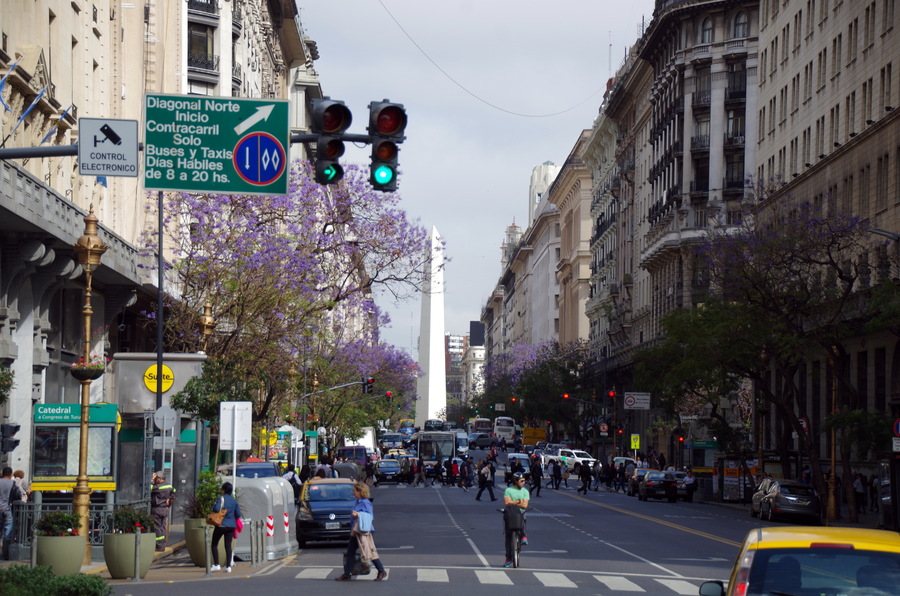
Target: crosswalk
{"points": [[521, 577]]}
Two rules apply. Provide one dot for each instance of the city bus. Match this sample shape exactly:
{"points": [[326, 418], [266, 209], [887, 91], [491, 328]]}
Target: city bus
{"points": [[434, 447], [433, 425], [505, 428], [479, 425], [407, 428]]}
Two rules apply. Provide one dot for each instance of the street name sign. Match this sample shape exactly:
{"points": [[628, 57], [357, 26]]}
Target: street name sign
{"points": [[107, 147], [195, 143]]}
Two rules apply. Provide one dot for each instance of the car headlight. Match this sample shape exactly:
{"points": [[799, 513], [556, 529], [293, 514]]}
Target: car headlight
{"points": [[304, 514]]}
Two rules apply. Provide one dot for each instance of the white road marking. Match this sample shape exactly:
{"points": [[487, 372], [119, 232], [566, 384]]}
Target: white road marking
{"points": [[555, 580], [492, 576], [432, 575], [678, 586], [314, 573], [618, 584]]}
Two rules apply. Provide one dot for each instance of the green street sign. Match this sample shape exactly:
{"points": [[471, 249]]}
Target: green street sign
{"points": [[195, 143]]}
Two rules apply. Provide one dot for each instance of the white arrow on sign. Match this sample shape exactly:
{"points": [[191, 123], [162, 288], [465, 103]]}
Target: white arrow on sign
{"points": [[262, 113]]}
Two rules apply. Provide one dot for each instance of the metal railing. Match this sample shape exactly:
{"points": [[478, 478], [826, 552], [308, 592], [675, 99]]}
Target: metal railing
{"points": [[25, 516]]}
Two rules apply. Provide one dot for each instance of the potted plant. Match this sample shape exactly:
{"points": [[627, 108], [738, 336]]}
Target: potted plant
{"points": [[59, 543], [195, 507], [91, 369], [118, 546]]}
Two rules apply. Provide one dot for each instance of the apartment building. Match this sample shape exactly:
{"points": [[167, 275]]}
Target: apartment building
{"points": [[62, 60]]}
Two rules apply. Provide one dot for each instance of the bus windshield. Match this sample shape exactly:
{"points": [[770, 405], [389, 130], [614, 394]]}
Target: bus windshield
{"points": [[436, 446]]}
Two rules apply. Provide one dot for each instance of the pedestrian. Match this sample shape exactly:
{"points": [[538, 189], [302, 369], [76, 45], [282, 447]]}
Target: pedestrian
{"points": [[305, 473], [226, 529], [874, 490], [464, 474], [162, 495], [25, 487], [555, 474], [503, 444], [585, 475], [484, 481], [690, 486], [294, 480], [404, 470], [661, 461], [859, 491], [537, 476], [361, 535], [597, 473], [620, 477], [420, 474], [516, 496], [9, 494], [564, 472]]}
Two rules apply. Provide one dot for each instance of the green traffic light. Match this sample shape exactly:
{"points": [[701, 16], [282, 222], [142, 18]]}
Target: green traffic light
{"points": [[330, 173], [383, 175]]}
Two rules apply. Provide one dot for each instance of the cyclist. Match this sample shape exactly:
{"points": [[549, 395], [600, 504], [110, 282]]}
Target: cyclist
{"points": [[517, 495]]}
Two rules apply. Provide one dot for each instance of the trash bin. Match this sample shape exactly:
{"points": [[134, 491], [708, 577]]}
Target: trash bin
{"points": [[271, 500]]}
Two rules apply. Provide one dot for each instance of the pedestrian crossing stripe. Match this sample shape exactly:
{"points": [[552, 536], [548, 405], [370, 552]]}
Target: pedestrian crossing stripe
{"points": [[549, 579]]}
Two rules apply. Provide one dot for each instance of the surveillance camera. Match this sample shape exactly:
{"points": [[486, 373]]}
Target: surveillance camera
{"points": [[109, 134]]}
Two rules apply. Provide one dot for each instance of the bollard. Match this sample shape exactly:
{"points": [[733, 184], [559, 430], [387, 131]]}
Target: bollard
{"points": [[260, 542], [137, 556], [207, 540]]}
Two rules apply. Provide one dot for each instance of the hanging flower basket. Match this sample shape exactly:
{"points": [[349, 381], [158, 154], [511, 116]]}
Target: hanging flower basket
{"points": [[88, 371]]}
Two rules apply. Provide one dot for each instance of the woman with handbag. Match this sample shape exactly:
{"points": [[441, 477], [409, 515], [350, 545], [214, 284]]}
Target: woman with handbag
{"points": [[361, 535], [226, 526]]}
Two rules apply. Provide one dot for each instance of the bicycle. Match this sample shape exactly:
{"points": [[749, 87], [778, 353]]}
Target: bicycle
{"points": [[514, 535]]}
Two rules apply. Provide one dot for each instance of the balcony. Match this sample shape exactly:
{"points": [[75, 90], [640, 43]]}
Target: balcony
{"points": [[204, 6], [701, 98], [700, 143], [699, 186], [203, 66], [736, 93], [735, 139], [236, 75], [733, 183]]}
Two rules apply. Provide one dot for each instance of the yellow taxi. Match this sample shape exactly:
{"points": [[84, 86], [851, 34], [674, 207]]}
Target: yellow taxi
{"points": [[799, 560], [397, 454]]}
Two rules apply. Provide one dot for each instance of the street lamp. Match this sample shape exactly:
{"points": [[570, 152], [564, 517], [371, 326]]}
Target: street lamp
{"points": [[89, 249]]}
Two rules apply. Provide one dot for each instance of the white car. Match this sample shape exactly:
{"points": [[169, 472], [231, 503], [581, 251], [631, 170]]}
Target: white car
{"points": [[574, 458]]}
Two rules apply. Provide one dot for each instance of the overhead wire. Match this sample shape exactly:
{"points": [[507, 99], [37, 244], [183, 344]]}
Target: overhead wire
{"points": [[474, 95]]}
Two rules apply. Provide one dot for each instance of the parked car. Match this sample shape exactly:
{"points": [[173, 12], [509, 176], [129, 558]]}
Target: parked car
{"points": [[791, 499], [803, 560], [260, 469], [635, 481], [758, 495], [481, 440], [387, 470], [658, 485], [323, 512]]}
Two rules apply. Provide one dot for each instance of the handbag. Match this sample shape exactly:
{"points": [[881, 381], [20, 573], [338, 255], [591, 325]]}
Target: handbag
{"points": [[360, 565], [217, 517]]}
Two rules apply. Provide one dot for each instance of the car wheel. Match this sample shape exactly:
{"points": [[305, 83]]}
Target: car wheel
{"points": [[301, 543]]}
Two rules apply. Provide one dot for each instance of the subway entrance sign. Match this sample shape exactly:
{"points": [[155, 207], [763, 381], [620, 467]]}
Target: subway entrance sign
{"points": [[195, 143]]}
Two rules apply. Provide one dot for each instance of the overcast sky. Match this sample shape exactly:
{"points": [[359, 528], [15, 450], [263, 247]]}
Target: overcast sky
{"points": [[492, 88]]}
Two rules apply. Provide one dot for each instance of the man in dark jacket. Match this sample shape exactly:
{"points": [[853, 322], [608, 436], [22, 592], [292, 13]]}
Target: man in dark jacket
{"points": [[537, 476]]}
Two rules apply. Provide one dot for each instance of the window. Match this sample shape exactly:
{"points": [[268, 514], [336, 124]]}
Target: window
{"points": [[706, 31], [741, 25]]}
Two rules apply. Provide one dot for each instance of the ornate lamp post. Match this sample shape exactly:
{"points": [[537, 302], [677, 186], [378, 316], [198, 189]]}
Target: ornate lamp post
{"points": [[89, 249]]}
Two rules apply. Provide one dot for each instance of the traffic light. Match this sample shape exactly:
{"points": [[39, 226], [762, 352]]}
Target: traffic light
{"points": [[389, 396], [368, 384], [620, 432], [387, 122], [330, 118], [611, 394], [565, 396], [7, 432], [513, 399]]}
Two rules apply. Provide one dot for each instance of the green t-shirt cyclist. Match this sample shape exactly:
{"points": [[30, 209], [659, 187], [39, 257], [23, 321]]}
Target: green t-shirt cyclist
{"points": [[516, 494]]}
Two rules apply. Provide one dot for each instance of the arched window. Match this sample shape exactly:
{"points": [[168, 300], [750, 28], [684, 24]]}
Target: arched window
{"points": [[706, 31], [741, 25]]}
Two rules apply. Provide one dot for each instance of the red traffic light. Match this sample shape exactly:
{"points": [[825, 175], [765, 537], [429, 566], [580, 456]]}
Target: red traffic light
{"points": [[330, 116], [620, 431], [681, 439], [333, 149], [611, 394], [387, 119], [513, 400], [565, 396]]}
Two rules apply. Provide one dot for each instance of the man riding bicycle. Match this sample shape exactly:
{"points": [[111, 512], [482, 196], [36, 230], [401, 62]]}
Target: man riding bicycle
{"points": [[516, 495]]}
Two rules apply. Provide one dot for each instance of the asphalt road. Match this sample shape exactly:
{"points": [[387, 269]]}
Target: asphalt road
{"points": [[441, 540]]}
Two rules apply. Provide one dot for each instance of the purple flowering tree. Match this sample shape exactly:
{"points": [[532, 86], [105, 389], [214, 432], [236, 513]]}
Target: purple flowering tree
{"points": [[291, 280]]}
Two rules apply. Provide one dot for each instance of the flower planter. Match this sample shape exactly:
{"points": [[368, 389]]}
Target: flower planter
{"points": [[118, 551], [86, 374], [63, 554], [195, 539]]}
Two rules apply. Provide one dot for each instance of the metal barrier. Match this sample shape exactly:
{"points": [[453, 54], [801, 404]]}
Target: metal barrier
{"points": [[25, 516]]}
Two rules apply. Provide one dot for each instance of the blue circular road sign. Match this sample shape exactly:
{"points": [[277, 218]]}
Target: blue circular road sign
{"points": [[259, 158]]}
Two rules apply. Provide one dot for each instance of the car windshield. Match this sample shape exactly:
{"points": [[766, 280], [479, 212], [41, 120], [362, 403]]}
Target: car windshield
{"points": [[824, 571], [389, 463], [330, 492], [582, 454], [252, 471], [797, 491]]}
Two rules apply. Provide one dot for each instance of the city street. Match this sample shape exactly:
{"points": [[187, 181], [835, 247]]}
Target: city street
{"points": [[604, 543]]}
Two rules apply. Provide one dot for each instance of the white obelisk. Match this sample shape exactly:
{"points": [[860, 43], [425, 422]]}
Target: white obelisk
{"points": [[432, 386]]}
